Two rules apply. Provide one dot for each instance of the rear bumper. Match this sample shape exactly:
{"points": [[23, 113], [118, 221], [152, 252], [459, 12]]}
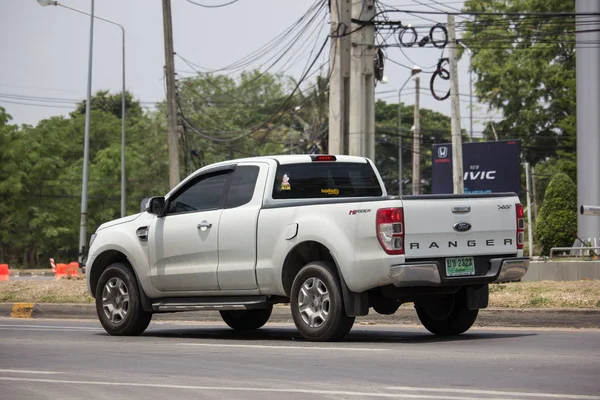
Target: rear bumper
{"points": [[425, 273]]}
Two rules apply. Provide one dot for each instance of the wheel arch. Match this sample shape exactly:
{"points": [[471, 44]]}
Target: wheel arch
{"points": [[106, 259], [308, 251]]}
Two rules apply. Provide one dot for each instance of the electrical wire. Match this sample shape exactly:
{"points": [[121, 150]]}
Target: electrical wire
{"points": [[276, 114], [212, 6], [37, 105], [278, 41]]}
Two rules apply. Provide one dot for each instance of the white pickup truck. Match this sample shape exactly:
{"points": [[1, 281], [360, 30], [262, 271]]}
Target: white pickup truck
{"points": [[316, 231]]}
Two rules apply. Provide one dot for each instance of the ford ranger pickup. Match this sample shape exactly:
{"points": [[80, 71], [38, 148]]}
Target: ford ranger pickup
{"points": [[318, 232]]}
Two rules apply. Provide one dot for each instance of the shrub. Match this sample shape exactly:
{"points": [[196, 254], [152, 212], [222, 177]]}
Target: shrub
{"points": [[557, 221]]}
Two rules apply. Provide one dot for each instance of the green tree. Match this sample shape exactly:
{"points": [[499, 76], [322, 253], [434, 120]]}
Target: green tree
{"points": [[42, 173], [224, 118], [525, 67], [11, 184], [545, 170], [310, 119], [557, 220], [113, 104]]}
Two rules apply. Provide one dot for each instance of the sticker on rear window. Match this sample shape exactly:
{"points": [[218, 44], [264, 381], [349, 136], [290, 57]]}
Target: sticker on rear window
{"points": [[285, 183], [334, 192]]}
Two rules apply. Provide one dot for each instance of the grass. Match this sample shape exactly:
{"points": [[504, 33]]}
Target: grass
{"points": [[546, 294], [58, 291], [569, 294]]}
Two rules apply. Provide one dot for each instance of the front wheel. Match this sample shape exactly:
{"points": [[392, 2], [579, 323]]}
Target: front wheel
{"points": [[447, 315], [317, 305], [118, 302], [247, 320]]}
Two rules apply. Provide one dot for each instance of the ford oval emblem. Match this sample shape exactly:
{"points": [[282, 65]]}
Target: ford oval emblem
{"points": [[462, 226]]}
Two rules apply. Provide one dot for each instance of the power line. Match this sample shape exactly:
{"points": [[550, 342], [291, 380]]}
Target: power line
{"points": [[36, 105], [269, 119], [212, 6], [279, 40], [503, 13]]}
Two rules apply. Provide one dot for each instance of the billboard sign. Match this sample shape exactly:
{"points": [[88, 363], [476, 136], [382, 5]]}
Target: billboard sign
{"points": [[488, 167]]}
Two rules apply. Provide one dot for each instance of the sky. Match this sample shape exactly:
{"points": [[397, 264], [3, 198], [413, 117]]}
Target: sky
{"points": [[44, 50]]}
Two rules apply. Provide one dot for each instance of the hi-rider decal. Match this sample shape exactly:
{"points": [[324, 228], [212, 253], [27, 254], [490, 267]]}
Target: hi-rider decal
{"points": [[363, 211]]}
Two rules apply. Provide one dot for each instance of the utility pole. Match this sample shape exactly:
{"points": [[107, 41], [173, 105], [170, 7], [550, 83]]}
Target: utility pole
{"points": [[471, 102], [173, 133], [86, 150], [339, 81], [416, 167], [529, 209], [362, 81], [457, 159], [535, 204], [588, 117]]}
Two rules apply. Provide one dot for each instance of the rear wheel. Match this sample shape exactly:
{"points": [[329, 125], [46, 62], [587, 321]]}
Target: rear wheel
{"points": [[118, 302], [447, 315], [317, 304], [247, 320], [384, 306]]}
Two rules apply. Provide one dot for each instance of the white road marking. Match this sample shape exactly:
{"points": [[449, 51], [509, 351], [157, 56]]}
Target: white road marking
{"points": [[259, 389], [258, 346], [29, 371], [494, 392], [49, 326], [46, 330]]}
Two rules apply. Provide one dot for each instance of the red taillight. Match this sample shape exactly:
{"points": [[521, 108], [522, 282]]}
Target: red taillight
{"points": [[390, 229], [520, 226]]}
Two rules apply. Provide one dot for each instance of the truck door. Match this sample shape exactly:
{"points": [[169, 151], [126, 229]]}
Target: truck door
{"points": [[183, 244]]}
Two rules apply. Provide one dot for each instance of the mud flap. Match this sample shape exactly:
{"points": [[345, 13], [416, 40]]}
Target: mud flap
{"points": [[477, 296], [355, 304]]}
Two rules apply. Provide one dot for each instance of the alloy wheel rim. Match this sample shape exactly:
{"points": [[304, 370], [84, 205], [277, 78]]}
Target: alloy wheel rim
{"points": [[314, 302], [115, 300]]}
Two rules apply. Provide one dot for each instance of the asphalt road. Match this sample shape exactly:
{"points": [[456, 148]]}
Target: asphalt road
{"points": [[67, 359]]}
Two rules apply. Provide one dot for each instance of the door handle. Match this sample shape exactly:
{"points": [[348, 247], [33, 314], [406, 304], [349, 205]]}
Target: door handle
{"points": [[204, 225]]}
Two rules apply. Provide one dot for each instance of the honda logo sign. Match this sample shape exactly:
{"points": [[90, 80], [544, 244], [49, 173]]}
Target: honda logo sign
{"points": [[442, 152]]}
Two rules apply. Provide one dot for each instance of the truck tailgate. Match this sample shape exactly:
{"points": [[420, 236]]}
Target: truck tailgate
{"points": [[443, 226]]}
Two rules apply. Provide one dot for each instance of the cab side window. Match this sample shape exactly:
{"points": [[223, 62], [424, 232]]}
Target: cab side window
{"points": [[241, 189], [203, 194]]}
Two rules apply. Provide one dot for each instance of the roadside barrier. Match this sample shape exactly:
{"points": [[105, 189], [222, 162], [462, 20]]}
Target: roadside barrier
{"points": [[60, 271], [4, 272], [66, 270], [73, 269]]}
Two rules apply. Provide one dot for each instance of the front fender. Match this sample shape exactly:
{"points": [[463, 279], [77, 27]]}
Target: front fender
{"points": [[130, 246]]}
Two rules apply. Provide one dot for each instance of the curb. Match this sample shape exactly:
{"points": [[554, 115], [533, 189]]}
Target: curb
{"points": [[489, 317]]}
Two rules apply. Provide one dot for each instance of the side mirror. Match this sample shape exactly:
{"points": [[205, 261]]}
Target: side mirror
{"points": [[156, 205]]}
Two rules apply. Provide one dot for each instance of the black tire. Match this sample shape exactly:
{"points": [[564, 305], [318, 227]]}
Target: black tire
{"points": [[329, 321], [385, 306], [446, 316], [121, 299], [247, 320]]}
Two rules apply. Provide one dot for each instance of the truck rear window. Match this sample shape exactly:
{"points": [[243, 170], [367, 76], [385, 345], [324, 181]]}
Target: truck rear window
{"points": [[324, 180]]}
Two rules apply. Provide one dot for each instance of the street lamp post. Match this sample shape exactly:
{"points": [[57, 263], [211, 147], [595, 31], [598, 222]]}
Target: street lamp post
{"points": [[414, 71], [123, 97], [86, 137]]}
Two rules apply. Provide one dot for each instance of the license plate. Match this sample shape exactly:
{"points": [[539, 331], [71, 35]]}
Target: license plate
{"points": [[460, 266]]}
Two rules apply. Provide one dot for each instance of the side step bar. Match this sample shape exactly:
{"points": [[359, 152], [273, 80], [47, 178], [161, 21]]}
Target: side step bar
{"points": [[210, 303]]}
